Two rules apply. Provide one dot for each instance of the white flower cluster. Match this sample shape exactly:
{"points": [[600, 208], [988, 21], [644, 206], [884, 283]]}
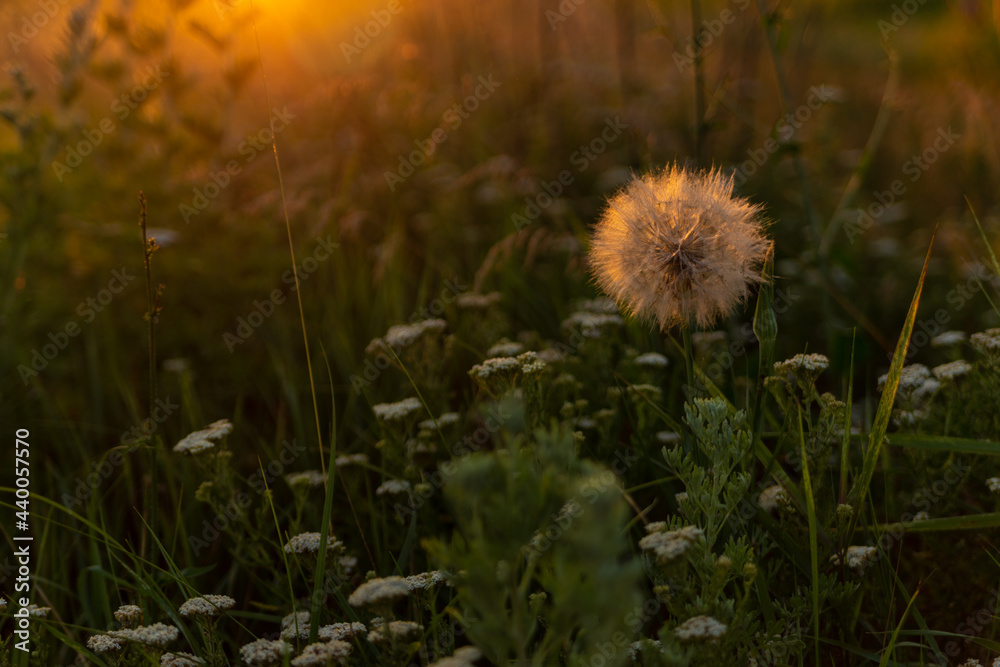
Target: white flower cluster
{"points": [[987, 342], [810, 363], [350, 460], [700, 627], [204, 440], [477, 301], [773, 498], [495, 366], [446, 419], [592, 325], [129, 615], [308, 543], [952, 370], [948, 338], [425, 580], [393, 487], [265, 652], [308, 479], [158, 635], [322, 654], [180, 659], [389, 412], [667, 546], [207, 605], [402, 336], [379, 592], [651, 360]]}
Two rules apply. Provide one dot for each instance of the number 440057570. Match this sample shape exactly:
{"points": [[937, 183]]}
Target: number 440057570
{"points": [[21, 470]]}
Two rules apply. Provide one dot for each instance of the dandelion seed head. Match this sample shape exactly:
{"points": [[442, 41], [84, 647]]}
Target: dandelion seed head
{"points": [[993, 484], [677, 246]]}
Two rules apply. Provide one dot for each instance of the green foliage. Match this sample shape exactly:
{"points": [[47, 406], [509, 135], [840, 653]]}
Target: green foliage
{"points": [[539, 552]]}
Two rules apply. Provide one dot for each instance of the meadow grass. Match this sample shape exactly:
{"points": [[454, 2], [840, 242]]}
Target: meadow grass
{"points": [[452, 449]]}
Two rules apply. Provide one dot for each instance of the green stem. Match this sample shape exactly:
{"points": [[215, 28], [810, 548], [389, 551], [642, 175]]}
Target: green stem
{"points": [[147, 254]]}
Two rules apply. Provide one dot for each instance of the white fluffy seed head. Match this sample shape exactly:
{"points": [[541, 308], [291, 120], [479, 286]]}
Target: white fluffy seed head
{"points": [[677, 246]]}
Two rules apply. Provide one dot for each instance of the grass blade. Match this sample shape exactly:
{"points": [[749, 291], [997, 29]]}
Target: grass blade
{"points": [[881, 425]]}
